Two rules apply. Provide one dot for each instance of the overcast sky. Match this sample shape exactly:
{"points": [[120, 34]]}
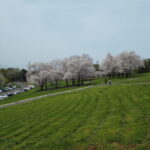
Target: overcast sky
{"points": [[43, 30]]}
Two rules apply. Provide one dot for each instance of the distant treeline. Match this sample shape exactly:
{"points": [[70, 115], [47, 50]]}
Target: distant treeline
{"points": [[13, 74], [146, 67]]}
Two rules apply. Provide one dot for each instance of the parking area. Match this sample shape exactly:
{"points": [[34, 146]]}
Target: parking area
{"points": [[7, 91]]}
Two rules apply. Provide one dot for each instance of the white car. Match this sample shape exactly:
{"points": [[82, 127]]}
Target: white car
{"points": [[1, 91], [3, 96], [27, 88], [31, 86], [8, 88], [16, 92]]}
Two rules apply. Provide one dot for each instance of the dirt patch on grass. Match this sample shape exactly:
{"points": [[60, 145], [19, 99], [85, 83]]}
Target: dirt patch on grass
{"points": [[92, 147], [122, 146]]}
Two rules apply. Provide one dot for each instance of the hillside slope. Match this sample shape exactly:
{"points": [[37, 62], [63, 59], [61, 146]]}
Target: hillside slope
{"points": [[111, 117]]}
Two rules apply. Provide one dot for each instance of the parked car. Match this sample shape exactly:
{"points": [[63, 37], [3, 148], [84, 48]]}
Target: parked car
{"points": [[4, 90], [3, 97], [31, 86], [14, 86], [27, 89], [1, 91], [7, 89], [16, 92], [21, 90], [10, 94]]}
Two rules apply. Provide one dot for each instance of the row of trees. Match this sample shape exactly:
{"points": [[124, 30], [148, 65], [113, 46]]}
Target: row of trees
{"points": [[75, 69], [122, 65]]}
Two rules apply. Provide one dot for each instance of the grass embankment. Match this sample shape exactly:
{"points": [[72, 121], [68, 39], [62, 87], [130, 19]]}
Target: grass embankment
{"points": [[139, 78], [34, 93], [101, 118]]}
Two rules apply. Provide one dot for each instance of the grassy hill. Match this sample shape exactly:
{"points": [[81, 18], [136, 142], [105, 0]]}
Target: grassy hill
{"points": [[113, 117]]}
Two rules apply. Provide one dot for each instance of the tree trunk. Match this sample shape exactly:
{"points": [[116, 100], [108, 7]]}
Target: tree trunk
{"points": [[41, 87], [72, 83], [56, 84], [129, 74], [113, 75], [45, 83], [82, 81], [78, 81], [45, 86], [52, 84], [105, 81], [66, 82]]}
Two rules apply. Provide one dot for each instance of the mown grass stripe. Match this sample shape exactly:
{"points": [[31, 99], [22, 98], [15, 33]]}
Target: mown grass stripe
{"points": [[110, 117]]}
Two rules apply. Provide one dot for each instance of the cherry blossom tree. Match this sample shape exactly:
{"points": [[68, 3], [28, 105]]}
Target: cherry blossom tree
{"points": [[109, 66], [122, 64], [56, 72], [80, 68], [128, 62], [67, 75], [39, 73]]}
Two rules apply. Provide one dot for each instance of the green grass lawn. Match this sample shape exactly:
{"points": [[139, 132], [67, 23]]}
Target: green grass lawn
{"points": [[138, 78], [101, 118]]}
